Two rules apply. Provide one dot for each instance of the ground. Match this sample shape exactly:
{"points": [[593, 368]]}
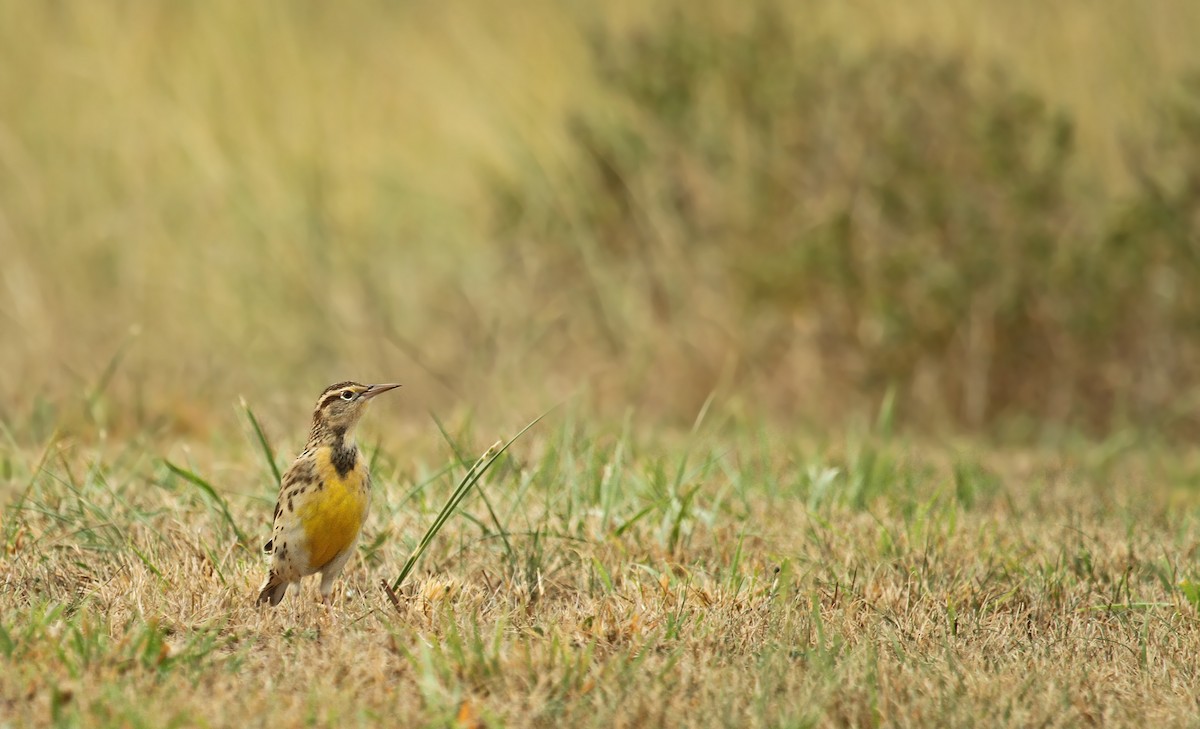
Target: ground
{"points": [[602, 577]]}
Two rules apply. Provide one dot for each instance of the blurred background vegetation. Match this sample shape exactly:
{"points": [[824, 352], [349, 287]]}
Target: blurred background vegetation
{"points": [[989, 209]]}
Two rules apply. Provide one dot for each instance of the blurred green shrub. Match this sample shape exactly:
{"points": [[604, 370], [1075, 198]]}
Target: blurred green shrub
{"points": [[1146, 277], [917, 215]]}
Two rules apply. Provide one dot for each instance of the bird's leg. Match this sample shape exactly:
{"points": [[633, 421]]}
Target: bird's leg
{"points": [[329, 616]]}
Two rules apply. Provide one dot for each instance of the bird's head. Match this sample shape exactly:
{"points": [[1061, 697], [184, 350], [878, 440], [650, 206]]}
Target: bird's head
{"points": [[341, 405]]}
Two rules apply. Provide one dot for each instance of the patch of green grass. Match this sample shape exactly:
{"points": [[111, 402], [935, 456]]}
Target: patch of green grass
{"points": [[902, 580]]}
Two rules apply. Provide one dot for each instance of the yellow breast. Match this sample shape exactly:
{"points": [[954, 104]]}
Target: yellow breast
{"points": [[334, 512]]}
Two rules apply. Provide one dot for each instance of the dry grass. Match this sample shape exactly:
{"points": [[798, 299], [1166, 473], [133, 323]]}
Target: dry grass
{"points": [[272, 197], [609, 579]]}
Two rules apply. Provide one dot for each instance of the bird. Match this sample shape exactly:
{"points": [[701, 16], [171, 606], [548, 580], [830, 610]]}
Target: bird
{"points": [[323, 496]]}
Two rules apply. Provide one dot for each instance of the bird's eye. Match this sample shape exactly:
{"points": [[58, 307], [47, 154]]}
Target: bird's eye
{"points": [[347, 395]]}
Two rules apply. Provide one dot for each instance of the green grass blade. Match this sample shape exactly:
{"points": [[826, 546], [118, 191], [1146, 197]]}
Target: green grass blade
{"points": [[459, 454], [460, 492], [262, 442], [212, 494], [687, 450], [632, 520], [461, 457], [97, 390], [146, 561], [451, 506]]}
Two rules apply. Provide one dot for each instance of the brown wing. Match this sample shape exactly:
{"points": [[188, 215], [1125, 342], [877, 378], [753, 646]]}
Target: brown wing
{"points": [[300, 472]]}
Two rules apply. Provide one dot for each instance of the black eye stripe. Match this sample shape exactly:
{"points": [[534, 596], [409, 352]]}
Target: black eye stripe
{"points": [[334, 393], [336, 396]]}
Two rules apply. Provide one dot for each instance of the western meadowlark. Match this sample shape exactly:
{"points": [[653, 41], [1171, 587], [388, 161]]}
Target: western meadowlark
{"points": [[323, 496]]}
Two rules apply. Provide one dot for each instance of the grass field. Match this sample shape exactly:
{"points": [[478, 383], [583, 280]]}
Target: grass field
{"points": [[944, 480], [613, 577]]}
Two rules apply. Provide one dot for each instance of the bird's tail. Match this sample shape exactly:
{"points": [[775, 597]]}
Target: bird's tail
{"points": [[272, 590]]}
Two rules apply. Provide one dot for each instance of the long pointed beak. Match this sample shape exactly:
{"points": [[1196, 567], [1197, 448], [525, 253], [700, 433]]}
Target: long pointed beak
{"points": [[374, 390]]}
